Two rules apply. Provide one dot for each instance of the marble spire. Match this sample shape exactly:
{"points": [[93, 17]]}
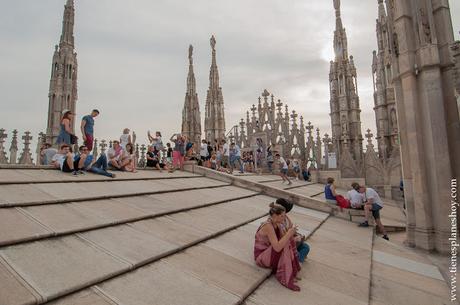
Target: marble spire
{"points": [[191, 117], [214, 123]]}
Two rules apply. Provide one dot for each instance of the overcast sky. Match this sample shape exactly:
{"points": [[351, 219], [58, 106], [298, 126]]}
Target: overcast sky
{"points": [[133, 64]]}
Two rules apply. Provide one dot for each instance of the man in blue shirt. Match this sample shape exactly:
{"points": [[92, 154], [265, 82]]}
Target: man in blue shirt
{"points": [[87, 128]]}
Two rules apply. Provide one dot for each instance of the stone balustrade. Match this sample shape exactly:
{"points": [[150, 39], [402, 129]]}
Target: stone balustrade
{"points": [[17, 150]]}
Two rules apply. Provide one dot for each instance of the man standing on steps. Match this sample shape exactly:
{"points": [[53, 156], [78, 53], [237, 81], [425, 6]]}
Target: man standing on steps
{"points": [[87, 129], [372, 203]]}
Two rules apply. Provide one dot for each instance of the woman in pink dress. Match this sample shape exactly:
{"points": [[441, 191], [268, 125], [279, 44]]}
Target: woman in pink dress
{"points": [[274, 250]]}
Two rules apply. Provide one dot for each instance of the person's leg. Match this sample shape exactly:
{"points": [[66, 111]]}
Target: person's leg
{"points": [[100, 171], [69, 161], [380, 226], [89, 141], [376, 214], [287, 178], [303, 249], [125, 162], [101, 162], [241, 165], [176, 156], [114, 162], [81, 162], [367, 209]]}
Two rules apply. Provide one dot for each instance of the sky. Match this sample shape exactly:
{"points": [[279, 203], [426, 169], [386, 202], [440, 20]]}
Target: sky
{"points": [[133, 64]]}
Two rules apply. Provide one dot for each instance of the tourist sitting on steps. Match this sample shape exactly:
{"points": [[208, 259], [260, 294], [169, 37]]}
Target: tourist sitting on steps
{"points": [[98, 166], [64, 161], [131, 155], [373, 204], [47, 153], [117, 157], [153, 158], [355, 198], [302, 247], [274, 250], [329, 191]]}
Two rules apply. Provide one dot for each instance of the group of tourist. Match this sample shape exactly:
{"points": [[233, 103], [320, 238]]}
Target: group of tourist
{"points": [[359, 197], [120, 156]]}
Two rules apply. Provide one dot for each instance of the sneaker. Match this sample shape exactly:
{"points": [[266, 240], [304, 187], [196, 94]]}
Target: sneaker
{"points": [[364, 224], [385, 237], [114, 175], [290, 182], [80, 172], [74, 173]]}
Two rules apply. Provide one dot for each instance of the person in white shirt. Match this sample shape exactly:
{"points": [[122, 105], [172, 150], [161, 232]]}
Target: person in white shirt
{"points": [[125, 138], [118, 159], [204, 153], [283, 168], [355, 197], [373, 203], [64, 160], [225, 153]]}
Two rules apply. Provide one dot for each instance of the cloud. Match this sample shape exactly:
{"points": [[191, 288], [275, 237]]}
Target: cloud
{"points": [[133, 58]]}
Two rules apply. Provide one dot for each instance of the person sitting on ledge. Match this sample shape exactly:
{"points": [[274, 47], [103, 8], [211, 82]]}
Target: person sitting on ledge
{"points": [[153, 158], [355, 197], [117, 157], [329, 191], [47, 153], [302, 247], [373, 204], [130, 154], [64, 161], [274, 250], [98, 166]]}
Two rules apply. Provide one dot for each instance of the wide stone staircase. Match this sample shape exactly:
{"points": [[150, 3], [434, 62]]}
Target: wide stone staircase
{"points": [[180, 238]]}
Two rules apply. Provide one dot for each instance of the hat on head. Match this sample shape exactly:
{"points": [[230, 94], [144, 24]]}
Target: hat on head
{"points": [[65, 111]]}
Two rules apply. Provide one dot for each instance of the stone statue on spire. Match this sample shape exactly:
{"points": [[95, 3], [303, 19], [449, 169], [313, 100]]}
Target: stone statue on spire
{"points": [[213, 43], [190, 54], [337, 4]]}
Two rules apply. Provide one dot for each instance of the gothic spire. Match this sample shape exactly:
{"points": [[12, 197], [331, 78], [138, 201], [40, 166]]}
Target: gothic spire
{"points": [[191, 82], [338, 18], [62, 92], [67, 24], [214, 72], [191, 117], [340, 36], [214, 121], [382, 12]]}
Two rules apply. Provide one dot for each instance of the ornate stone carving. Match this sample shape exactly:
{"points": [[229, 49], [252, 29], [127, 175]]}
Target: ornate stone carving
{"points": [[26, 156], [14, 148], [3, 136]]}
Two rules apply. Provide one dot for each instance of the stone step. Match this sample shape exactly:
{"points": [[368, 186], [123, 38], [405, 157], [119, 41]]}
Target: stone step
{"points": [[337, 270], [12, 195], [402, 276], [37, 222], [26, 176], [218, 271], [310, 195], [50, 268]]}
